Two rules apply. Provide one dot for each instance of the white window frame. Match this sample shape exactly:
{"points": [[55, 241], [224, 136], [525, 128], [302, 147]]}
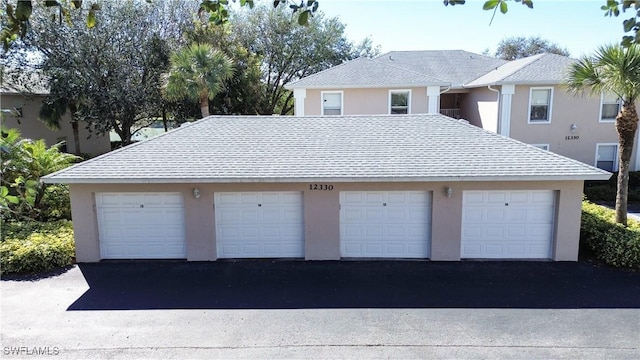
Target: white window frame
{"points": [[396, 91], [541, 146], [616, 160], [600, 119], [531, 90], [332, 92]]}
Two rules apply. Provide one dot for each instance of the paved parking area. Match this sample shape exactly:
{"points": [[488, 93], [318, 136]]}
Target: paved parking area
{"points": [[289, 309]]}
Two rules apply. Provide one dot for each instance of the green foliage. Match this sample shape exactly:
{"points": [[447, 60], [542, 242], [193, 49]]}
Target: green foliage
{"points": [[518, 47], [56, 202], [605, 191], [241, 94], [612, 243], [17, 20], [290, 52], [613, 69], [197, 73], [24, 162], [45, 247]]}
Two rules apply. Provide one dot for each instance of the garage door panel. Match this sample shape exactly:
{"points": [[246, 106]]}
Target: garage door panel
{"points": [[140, 225], [520, 225], [259, 224], [496, 197], [494, 215], [395, 224]]}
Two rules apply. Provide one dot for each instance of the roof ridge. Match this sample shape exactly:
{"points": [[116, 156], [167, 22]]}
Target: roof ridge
{"points": [[329, 68]]}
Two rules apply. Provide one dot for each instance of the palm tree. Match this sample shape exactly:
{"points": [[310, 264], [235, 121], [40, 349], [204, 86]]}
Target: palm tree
{"points": [[614, 69], [197, 73]]}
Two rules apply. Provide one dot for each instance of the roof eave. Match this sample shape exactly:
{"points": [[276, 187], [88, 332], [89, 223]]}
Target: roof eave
{"points": [[462, 178], [371, 86]]}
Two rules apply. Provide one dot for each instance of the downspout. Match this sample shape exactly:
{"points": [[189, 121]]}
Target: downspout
{"points": [[499, 112]]}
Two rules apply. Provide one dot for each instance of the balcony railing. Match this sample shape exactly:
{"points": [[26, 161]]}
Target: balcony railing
{"points": [[454, 113]]}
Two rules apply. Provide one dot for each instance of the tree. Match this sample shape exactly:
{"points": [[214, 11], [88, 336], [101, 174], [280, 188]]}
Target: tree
{"points": [[241, 94], [290, 52], [16, 19], [512, 48], [197, 73], [108, 77], [614, 69]]}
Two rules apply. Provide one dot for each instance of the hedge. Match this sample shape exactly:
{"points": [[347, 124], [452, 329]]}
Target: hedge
{"points": [[37, 248], [612, 243]]}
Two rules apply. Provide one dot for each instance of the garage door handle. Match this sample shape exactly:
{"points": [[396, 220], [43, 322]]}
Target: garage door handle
{"points": [[259, 205], [506, 204], [384, 204]]}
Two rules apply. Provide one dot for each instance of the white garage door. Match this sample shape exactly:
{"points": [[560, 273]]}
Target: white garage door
{"points": [[507, 224], [259, 224], [385, 224], [141, 225]]}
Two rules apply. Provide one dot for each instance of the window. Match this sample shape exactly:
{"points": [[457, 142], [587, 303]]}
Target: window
{"points": [[332, 103], [399, 101], [542, 146], [610, 107], [607, 157], [540, 105]]}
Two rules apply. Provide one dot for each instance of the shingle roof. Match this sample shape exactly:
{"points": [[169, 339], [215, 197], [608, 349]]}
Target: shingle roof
{"points": [[455, 66], [331, 148], [536, 69], [362, 73]]}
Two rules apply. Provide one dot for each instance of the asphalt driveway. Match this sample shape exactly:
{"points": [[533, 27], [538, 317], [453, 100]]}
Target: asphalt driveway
{"points": [[290, 309]]}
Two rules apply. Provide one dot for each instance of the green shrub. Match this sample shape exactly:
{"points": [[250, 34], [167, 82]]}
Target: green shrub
{"points": [[612, 243], [605, 191], [56, 203], [47, 247]]}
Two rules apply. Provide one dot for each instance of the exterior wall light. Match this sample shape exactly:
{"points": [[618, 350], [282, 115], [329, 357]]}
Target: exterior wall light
{"points": [[449, 191], [196, 193], [574, 127]]}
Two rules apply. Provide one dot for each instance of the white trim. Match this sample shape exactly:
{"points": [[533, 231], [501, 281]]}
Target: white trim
{"points": [[550, 105], [600, 119], [616, 161], [399, 91], [433, 99], [541, 146], [298, 97], [332, 92], [505, 103]]}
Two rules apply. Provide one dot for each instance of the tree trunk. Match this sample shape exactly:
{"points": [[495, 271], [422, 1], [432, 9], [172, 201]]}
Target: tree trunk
{"points": [[204, 105], [626, 126], [164, 119], [76, 136], [73, 109]]}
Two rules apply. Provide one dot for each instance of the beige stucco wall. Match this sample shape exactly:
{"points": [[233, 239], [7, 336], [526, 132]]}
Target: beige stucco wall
{"points": [[584, 111], [321, 215], [480, 108], [365, 101], [32, 128]]}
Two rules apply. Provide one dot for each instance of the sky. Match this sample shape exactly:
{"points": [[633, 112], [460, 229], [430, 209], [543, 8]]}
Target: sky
{"points": [[577, 25]]}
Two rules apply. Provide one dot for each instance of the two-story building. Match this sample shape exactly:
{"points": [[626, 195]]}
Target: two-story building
{"points": [[523, 99], [24, 107]]}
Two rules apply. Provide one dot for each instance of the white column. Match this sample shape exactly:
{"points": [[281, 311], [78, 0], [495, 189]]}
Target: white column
{"points": [[299, 95], [433, 99], [505, 109]]}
